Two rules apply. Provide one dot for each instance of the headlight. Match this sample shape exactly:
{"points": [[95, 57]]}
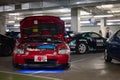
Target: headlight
{"points": [[19, 51], [31, 49], [64, 51]]}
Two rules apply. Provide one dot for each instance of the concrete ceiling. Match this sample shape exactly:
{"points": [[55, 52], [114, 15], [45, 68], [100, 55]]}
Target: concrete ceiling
{"points": [[6, 2], [95, 7]]}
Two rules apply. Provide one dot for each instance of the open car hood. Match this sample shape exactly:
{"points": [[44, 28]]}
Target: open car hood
{"points": [[42, 26], [46, 29]]}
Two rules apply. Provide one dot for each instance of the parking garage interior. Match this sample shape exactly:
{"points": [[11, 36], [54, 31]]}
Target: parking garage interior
{"points": [[79, 16]]}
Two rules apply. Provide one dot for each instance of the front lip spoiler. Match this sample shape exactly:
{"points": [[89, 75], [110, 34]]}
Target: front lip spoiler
{"points": [[34, 66]]}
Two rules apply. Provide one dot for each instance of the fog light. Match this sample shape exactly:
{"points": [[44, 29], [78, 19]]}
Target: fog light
{"points": [[26, 53], [54, 53]]}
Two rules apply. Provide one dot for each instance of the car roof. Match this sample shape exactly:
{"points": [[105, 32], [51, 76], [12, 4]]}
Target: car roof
{"points": [[80, 33]]}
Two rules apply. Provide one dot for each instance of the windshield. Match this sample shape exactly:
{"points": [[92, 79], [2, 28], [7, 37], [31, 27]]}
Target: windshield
{"points": [[43, 29]]}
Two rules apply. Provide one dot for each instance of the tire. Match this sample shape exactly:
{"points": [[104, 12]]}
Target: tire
{"points": [[64, 67], [15, 65], [107, 58], [6, 50], [82, 48]]}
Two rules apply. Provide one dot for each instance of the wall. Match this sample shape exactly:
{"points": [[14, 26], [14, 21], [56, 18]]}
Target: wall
{"points": [[2, 24]]}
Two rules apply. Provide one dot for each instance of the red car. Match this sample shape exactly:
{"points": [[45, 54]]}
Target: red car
{"points": [[42, 44]]}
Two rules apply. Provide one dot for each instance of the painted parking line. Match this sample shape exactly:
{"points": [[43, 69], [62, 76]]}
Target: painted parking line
{"points": [[76, 61]]}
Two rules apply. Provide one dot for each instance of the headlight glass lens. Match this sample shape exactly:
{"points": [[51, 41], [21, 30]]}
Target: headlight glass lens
{"points": [[19, 51], [64, 51]]}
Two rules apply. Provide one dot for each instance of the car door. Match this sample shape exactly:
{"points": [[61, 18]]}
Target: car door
{"points": [[114, 45], [97, 40]]}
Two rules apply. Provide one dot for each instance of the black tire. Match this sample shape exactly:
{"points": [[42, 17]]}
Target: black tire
{"points": [[64, 67], [82, 48], [15, 65], [6, 50], [107, 58]]}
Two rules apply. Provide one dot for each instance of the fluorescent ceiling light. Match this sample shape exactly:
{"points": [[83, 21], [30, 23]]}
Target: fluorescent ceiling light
{"points": [[64, 10], [16, 25], [86, 16], [110, 23], [65, 18], [11, 22], [68, 25], [14, 14], [115, 20], [98, 23], [84, 13], [83, 22], [113, 23], [77, 2], [7, 30], [114, 11], [105, 6], [18, 18], [98, 16]]}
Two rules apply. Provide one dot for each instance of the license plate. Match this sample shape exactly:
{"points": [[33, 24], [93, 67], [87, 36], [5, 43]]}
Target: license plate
{"points": [[38, 58], [99, 41], [99, 44]]}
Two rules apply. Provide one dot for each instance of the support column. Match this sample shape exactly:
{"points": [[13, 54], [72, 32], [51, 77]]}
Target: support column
{"points": [[102, 26], [2, 24], [75, 20]]}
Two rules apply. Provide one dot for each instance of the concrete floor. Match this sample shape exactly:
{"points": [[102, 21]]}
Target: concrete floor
{"points": [[83, 67]]}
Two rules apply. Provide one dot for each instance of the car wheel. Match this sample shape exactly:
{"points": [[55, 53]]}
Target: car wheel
{"points": [[82, 48], [6, 50], [66, 67], [15, 65], [107, 57]]}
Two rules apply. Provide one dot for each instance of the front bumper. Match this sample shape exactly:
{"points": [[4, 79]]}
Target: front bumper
{"points": [[52, 61]]}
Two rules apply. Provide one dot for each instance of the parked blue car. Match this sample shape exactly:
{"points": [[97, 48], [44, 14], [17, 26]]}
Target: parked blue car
{"points": [[112, 50]]}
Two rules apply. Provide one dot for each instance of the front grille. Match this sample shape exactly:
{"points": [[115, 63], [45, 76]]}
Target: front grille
{"points": [[31, 61], [49, 64]]}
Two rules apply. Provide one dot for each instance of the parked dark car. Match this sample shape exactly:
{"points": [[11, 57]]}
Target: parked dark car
{"points": [[6, 45], [112, 50], [87, 41]]}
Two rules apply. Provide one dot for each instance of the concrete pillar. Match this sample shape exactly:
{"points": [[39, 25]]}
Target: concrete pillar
{"points": [[2, 24], [75, 20], [102, 26]]}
